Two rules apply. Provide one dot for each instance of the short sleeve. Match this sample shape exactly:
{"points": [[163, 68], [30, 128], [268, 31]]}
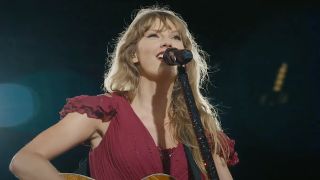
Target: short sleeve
{"points": [[99, 107], [228, 146]]}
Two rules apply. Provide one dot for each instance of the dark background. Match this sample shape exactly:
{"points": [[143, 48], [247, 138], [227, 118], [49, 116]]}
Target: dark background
{"points": [[51, 50]]}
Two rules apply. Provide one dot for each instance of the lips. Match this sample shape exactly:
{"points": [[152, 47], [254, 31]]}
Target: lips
{"points": [[160, 54]]}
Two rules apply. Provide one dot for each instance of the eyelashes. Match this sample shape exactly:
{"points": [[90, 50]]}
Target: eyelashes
{"points": [[177, 37], [154, 35]]}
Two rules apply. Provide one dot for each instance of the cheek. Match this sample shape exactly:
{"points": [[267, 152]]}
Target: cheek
{"points": [[145, 48], [179, 45], [144, 55], [147, 53]]}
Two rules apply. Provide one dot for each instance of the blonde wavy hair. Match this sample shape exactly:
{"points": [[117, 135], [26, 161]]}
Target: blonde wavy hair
{"points": [[123, 77]]}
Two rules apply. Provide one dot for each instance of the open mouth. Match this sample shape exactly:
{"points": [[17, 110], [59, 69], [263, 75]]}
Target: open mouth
{"points": [[160, 55]]}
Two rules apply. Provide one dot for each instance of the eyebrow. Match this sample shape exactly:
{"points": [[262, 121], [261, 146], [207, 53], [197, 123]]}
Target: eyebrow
{"points": [[153, 30]]}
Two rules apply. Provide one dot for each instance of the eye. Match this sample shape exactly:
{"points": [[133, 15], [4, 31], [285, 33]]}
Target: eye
{"points": [[152, 35], [177, 37]]}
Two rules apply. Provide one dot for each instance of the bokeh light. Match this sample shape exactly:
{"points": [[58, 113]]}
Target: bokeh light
{"points": [[17, 104]]}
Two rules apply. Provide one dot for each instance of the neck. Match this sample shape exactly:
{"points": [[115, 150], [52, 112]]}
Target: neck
{"points": [[153, 97]]}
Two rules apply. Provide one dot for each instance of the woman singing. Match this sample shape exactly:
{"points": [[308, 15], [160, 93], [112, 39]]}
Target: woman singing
{"points": [[140, 126]]}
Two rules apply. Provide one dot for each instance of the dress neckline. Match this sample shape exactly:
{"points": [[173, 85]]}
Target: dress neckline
{"points": [[145, 128]]}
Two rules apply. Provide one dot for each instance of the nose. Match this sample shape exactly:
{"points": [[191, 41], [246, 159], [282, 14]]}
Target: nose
{"points": [[166, 43]]}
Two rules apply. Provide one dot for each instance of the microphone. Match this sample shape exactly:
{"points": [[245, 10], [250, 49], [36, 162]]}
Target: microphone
{"points": [[174, 56]]}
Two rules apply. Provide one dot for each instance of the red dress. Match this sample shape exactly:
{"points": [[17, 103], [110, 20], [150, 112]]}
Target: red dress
{"points": [[127, 150]]}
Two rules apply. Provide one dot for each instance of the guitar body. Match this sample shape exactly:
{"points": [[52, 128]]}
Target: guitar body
{"points": [[159, 176], [72, 176]]}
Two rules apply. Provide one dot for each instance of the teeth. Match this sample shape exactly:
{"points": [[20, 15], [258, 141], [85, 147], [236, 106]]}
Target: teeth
{"points": [[160, 55]]}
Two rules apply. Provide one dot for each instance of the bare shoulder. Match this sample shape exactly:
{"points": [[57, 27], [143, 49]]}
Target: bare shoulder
{"points": [[107, 94], [70, 131], [123, 94]]}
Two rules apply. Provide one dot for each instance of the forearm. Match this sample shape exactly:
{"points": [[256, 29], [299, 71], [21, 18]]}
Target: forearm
{"points": [[31, 166]]}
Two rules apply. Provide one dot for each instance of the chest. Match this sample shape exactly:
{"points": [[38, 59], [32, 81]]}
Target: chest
{"points": [[161, 132]]}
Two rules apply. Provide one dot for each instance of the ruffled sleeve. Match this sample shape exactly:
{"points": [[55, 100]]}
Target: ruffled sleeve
{"points": [[228, 146], [99, 107]]}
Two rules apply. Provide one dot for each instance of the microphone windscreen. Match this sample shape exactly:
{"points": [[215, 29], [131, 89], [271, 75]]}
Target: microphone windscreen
{"points": [[174, 56], [169, 56]]}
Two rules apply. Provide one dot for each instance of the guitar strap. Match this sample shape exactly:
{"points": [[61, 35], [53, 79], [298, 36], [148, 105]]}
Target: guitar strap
{"points": [[195, 171]]}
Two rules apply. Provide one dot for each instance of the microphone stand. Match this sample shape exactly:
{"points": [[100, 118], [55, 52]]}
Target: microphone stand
{"points": [[197, 125]]}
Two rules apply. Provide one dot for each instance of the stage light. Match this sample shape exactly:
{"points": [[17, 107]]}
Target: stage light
{"points": [[17, 104]]}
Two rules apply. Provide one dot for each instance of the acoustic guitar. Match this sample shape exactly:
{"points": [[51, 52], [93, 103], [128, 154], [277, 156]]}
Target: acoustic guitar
{"points": [[158, 176]]}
